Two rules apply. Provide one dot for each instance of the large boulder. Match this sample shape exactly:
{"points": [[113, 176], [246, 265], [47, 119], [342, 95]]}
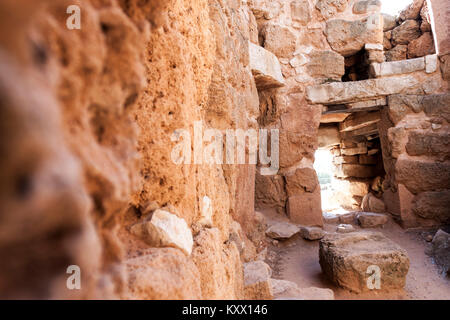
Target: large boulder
{"points": [[406, 32], [349, 260], [350, 37], [412, 11], [422, 46]]}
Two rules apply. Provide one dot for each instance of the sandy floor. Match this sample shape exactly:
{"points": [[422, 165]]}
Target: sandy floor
{"points": [[297, 260]]}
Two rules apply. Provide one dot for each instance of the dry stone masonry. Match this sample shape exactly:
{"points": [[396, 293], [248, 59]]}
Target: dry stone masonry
{"points": [[91, 120]]}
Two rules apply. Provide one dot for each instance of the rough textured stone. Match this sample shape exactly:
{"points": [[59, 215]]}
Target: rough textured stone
{"points": [[349, 37], [422, 46], [302, 179], [412, 11], [163, 274], [353, 151], [345, 260], [326, 64], [433, 205], [305, 209], [348, 218], [329, 8], [389, 22], [397, 53], [301, 11], [423, 175], [406, 32], [345, 228], [312, 233], [355, 170], [280, 40], [328, 136], [265, 68], [432, 144], [371, 203], [436, 105], [219, 265], [165, 229], [441, 250], [282, 231], [372, 220], [359, 120], [257, 281], [330, 218], [401, 105]]}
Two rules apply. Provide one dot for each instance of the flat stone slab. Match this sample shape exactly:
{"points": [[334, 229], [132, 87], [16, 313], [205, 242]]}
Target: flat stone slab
{"points": [[265, 67], [312, 233], [372, 220], [392, 68], [349, 260], [354, 91], [282, 231]]}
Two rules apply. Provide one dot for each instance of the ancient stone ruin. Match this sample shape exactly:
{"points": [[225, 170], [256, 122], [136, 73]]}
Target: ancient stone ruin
{"points": [[172, 149]]}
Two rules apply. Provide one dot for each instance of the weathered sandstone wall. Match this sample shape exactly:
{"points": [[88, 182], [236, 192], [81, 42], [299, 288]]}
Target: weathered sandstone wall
{"points": [[87, 119]]}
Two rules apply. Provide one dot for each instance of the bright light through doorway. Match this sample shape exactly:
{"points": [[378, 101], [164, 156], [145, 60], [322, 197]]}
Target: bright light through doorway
{"points": [[393, 7], [323, 165]]}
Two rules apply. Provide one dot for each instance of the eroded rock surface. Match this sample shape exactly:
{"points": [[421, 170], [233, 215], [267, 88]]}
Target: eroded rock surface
{"points": [[345, 259]]}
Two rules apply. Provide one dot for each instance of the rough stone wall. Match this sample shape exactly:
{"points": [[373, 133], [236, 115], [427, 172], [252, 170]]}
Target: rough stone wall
{"points": [[87, 119], [311, 40], [414, 135], [409, 35], [440, 14]]}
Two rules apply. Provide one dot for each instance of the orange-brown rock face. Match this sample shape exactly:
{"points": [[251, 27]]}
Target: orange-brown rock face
{"points": [[88, 117]]}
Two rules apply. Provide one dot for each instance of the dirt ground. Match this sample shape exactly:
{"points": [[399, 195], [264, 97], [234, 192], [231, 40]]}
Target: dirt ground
{"points": [[297, 260]]}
